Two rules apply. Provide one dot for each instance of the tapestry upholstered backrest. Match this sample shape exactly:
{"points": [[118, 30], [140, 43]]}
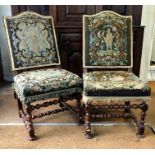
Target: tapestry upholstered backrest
{"points": [[107, 40], [32, 41]]}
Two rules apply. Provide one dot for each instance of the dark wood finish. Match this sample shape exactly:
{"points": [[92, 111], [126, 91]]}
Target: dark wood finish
{"points": [[127, 107], [138, 32], [29, 123], [79, 110], [41, 9], [68, 23], [70, 47], [90, 113], [71, 15], [26, 112], [1, 70], [87, 119], [141, 125]]}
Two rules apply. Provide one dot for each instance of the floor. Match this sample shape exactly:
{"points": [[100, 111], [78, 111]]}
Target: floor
{"points": [[61, 131]]}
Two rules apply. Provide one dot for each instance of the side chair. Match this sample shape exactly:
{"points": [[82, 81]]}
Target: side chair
{"points": [[37, 69], [109, 84]]}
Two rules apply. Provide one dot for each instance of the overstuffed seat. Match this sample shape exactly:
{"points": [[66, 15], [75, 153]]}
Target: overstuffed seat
{"points": [[114, 84], [46, 83], [36, 64], [109, 84]]}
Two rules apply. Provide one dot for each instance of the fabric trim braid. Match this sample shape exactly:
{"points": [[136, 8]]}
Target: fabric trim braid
{"points": [[100, 99], [54, 94]]}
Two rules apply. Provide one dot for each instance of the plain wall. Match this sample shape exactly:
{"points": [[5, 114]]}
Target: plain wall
{"points": [[148, 20]]}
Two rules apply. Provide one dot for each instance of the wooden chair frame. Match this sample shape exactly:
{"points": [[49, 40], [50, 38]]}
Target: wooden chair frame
{"points": [[92, 111], [25, 110]]}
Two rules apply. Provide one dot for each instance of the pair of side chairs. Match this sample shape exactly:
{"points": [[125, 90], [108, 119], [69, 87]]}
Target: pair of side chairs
{"points": [[108, 83]]}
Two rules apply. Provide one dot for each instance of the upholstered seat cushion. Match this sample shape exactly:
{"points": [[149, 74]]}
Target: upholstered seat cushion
{"points": [[46, 83], [114, 83]]}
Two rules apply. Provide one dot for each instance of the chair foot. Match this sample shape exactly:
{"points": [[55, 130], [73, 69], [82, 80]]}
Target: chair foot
{"points": [[88, 135], [141, 130], [31, 132], [141, 125], [87, 120], [140, 136], [32, 138]]}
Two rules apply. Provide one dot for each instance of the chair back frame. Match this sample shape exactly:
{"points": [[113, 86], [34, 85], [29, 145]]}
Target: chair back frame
{"points": [[17, 70], [88, 67]]}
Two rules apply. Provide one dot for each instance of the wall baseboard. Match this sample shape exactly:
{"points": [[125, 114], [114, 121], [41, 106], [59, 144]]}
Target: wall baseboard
{"points": [[151, 78], [151, 74]]}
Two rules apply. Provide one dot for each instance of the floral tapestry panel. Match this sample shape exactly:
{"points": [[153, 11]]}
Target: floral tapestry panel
{"points": [[43, 81], [32, 41], [107, 40]]}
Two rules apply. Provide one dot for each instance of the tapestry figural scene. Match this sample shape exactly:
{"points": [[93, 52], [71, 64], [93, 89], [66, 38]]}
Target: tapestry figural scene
{"points": [[107, 40]]}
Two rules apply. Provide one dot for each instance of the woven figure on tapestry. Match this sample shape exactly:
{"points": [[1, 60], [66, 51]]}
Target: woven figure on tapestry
{"points": [[107, 44], [107, 40], [37, 73]]}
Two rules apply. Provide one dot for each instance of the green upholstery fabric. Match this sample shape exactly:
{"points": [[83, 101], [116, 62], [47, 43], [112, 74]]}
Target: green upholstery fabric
{"points": [[32, 40], [107, 40], [114, 83], [46, 83]]}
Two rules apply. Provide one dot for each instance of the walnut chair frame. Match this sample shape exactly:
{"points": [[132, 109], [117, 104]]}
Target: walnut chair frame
{"points": [[98, 106], [25, 110]]}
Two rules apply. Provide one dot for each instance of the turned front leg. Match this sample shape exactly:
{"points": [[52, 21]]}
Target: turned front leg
{"points": [[29, 124], [141, 125], [87, 122]]}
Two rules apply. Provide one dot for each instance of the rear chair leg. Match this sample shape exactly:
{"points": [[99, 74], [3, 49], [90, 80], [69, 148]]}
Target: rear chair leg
{"points": [[19, 103], [20, 107], [29, 124], [127, 109], [60, 103], [15, 96], [141, 125], [80, 110], [87, 122]]}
